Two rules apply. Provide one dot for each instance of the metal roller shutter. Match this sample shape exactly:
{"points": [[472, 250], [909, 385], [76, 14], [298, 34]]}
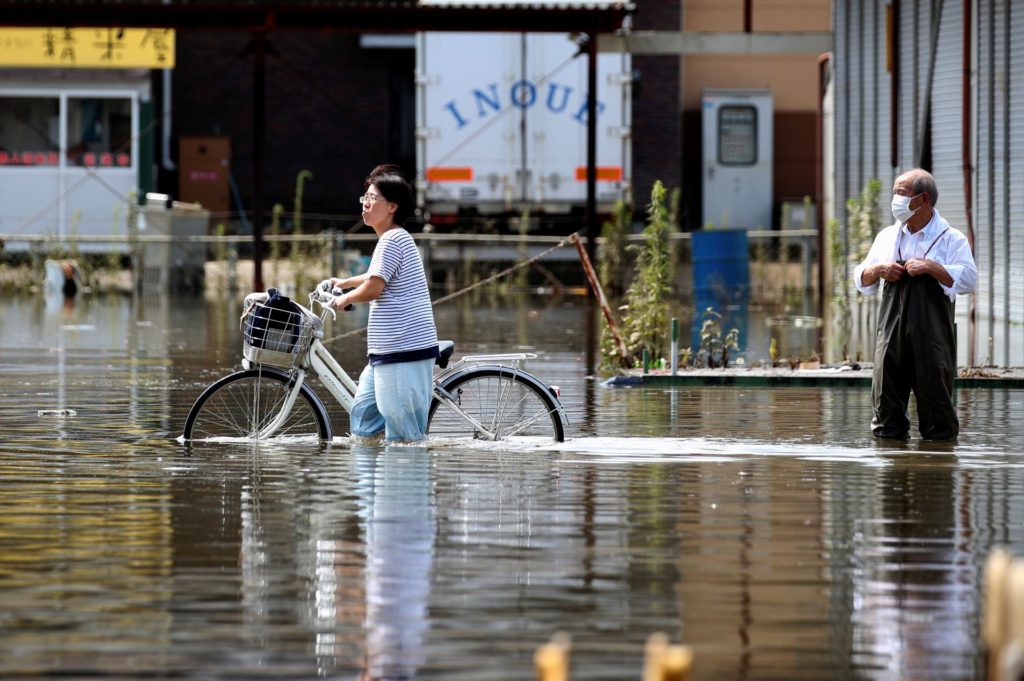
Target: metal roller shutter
{"points": [[882, 89], [991, 231], [1013, 253], [913, 50], [947, 134], [984, 125]]}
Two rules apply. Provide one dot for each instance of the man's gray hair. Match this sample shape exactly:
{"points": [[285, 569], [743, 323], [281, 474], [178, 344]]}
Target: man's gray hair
{"points": [[922, 181]]}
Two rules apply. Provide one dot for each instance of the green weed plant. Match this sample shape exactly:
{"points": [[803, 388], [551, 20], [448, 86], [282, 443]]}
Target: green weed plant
{"points": [[863, 223], [611, 270], [646, 302]]}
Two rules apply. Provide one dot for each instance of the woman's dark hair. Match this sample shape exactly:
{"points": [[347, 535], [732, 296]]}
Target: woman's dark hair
{"points": [[393, 187]]}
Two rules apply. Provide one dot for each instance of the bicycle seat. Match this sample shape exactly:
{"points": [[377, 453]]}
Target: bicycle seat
{"points": [[447, 348]]}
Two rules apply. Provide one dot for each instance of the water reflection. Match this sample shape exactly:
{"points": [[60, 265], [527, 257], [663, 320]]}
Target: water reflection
{"points": [[787, 414], [71, 528], [912, 577], [334, 549], [764, 527], [400, 528]]}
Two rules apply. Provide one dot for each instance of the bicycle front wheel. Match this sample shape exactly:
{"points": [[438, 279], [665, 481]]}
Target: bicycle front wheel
{"points": [[505, 402], [244, 404]]}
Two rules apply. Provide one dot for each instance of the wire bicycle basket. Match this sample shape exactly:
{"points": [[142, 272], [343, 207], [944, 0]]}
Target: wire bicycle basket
{"points": [[278, 333]]}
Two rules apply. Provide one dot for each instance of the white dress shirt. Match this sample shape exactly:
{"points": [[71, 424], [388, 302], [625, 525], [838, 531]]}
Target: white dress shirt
{"points": [[951, 250]]}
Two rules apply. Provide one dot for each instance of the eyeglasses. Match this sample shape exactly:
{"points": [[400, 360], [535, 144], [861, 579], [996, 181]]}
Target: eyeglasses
{"points": [[370, 198]]}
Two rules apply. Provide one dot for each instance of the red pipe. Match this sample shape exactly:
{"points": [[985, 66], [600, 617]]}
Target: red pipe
{"points": [[819, 186]]}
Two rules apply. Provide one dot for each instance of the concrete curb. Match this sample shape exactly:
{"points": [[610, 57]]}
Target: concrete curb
{"points": [[785, 377]]}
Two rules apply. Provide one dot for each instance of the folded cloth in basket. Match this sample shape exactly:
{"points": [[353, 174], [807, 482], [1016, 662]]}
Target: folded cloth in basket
{"points": [[274, 325]]}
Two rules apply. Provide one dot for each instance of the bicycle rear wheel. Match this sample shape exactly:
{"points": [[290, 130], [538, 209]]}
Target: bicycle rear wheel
{"points": [[505, 402], [244, 404]]}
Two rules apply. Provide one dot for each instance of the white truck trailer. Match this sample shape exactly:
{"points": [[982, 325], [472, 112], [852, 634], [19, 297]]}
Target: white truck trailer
{"points": [[501, 125]]}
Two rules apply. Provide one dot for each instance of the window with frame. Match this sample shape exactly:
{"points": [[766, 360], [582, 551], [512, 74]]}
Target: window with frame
{"points": [[737, 135], [29, 131], [100, 132]]}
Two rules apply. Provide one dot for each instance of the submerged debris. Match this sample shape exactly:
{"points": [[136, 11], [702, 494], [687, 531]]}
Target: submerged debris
{"points": [[976, 372], [57, 412]]}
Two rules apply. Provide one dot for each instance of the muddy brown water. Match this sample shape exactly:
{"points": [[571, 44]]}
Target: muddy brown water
{"points": [[762, 527]]}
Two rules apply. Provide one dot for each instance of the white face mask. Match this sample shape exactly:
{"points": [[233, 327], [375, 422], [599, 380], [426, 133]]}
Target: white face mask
{"points": [[901, 207]]}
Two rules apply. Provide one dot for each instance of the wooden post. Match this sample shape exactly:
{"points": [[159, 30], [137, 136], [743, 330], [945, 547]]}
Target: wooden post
{"points": [[654, 655], [664, 662], [677, 663], [993, 628], [552, 659], [1011, 663], [595, 286], [1011, 657]]}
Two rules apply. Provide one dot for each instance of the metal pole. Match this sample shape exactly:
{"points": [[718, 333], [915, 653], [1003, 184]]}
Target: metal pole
{"points": [[334, 252], [258, 125], [675, 345], [592, 229], [894, 85], [1007, 109], [968, 164], [824, 265]]}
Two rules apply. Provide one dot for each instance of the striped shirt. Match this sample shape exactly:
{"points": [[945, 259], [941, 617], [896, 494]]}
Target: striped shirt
{"points": [[401, 319]]}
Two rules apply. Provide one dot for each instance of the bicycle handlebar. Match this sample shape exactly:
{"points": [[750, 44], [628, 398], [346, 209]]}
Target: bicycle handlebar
{"points": [[325, 295]]}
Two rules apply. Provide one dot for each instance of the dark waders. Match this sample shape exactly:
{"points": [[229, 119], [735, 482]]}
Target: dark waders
{"points": [[915, 350]]}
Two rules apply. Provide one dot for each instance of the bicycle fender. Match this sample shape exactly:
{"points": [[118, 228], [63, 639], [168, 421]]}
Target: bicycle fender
{"points": [[500, 369]]}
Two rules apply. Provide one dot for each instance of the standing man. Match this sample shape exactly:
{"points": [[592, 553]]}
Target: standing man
{"points": [[924, 263]]}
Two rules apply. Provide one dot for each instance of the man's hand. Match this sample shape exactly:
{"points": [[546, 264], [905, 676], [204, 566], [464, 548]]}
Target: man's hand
{"points": [[918, 266], [890, 271]]}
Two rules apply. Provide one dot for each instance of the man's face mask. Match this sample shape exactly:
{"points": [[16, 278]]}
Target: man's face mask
{"points": [[901, 207]]}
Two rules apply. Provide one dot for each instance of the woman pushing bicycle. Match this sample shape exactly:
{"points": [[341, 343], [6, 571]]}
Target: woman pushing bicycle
{"points": [[395, 388], [398, 397]]}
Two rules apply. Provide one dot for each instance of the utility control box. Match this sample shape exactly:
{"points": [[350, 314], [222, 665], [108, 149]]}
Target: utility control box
{"points": [[738, 155]]}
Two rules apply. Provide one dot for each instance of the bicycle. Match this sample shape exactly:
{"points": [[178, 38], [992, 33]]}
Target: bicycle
{"points": [[480, 396]]}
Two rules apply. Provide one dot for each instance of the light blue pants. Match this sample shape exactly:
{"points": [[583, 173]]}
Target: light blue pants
{"points": [[393, 399]]}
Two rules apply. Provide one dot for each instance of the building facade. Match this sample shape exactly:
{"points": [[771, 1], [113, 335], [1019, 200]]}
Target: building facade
{"points": [[792, 78], [930, 83]]}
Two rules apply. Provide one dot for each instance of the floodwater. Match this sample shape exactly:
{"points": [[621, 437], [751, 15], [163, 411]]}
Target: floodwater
{"points": [[763, 527]]}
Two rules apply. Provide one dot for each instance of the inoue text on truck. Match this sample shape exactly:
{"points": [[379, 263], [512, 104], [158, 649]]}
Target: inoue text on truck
{"points": [[502, 125]]}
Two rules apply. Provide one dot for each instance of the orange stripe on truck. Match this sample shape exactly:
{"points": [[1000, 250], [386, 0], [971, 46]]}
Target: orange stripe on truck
{"points": [[604, 173], [449, 174]]}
